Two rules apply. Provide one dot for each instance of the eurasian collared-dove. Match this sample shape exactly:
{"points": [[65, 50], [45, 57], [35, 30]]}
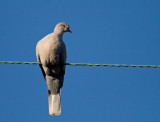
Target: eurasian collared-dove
{"points": [[51, 52]]}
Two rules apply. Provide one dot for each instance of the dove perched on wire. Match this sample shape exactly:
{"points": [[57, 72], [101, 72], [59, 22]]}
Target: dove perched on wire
{"points": [[51, 53]]}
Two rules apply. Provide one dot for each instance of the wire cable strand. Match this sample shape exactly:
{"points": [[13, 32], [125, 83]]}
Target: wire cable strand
{"points": [[85, 64], [17, 62], [112, 65]]}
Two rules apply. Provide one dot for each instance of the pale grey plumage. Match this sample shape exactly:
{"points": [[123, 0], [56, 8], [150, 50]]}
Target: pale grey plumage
{"points": [[51, 52]]}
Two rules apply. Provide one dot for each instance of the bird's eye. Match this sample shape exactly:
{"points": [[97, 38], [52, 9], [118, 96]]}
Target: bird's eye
{"points": [[63, 25]]}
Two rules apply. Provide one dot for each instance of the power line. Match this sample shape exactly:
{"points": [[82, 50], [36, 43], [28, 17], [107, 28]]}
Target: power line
{"points": [[85, 64], [17, 62], [113, 65]]}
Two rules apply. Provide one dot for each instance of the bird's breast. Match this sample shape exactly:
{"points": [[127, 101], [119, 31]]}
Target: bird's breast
{"points": [[53, 53]]}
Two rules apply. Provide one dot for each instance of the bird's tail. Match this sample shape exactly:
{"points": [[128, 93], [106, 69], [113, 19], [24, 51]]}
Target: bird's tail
{"points": [[54, 102]]}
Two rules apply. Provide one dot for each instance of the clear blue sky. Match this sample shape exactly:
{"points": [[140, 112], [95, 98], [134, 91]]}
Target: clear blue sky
{"points": [[104, 31]]}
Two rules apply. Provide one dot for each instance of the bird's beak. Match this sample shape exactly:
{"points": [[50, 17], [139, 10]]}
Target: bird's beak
{"points": [[68, 30]]}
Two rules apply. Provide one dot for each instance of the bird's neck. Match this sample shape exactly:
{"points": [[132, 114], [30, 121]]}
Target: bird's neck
{"points": [[59, 34]]}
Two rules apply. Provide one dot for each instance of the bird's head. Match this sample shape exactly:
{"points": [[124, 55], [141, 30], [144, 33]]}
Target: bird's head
{"points": [[62, 27]]}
